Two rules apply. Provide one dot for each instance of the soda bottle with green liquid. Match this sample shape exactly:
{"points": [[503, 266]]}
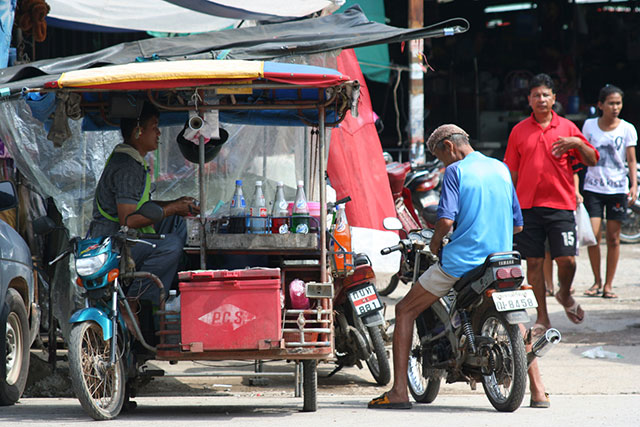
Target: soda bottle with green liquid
{"points": [[300, 214]]}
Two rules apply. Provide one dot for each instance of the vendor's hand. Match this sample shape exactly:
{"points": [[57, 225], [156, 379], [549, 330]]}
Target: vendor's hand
{"points": [[185, 206], [633, 195], [579, 198], [435, 247], [564, 144]]}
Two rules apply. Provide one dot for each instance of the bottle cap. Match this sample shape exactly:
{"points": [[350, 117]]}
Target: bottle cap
{"points": [[173, 293], [280, 184], [300, 183], [258, 182], [238, 182]]}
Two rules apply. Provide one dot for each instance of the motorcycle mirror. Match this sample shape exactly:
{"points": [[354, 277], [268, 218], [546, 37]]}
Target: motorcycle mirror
{"points": [[392, 223], [151, 211], [387, 157], [43, 225]]}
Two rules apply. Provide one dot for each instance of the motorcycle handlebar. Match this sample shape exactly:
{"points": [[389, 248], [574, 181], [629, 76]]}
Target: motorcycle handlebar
{"points": [[387, 251], [151, 236]]}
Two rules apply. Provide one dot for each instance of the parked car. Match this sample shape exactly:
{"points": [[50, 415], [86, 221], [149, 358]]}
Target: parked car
{"points": [[18, 307]]}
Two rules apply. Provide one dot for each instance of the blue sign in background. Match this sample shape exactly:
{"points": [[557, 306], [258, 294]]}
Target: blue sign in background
{"points": [[7, 12]]}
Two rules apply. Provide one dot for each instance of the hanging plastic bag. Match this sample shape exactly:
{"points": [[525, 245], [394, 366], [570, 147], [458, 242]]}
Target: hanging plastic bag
{"points": [[583, 227]]}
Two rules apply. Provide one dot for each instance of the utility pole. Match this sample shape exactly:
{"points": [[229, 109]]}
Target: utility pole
{"points": [[416, 84]]}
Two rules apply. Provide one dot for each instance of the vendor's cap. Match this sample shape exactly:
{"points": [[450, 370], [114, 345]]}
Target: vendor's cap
{"points": [[444, 132]]}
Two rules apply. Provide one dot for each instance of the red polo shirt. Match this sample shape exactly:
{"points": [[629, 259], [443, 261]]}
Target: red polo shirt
{"points": [[543, 179]]}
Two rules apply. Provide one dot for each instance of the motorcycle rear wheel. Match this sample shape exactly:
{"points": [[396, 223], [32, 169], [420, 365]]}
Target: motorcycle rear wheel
{"points": [[423, 390], [505, 384], [378, 362], [99, 387]]}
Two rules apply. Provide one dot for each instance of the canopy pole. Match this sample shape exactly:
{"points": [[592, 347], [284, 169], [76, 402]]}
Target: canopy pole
{"points": [[203, 204], [323, 196]]}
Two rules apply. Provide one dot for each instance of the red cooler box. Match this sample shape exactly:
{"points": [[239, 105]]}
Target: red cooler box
{"points": [[230, 309]]}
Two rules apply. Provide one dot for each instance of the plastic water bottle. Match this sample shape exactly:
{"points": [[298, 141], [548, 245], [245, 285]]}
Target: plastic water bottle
{"points": [[173, 304], [258, 211], [237, 211], [300, 214], [342, 235], [279, 213], [297, 295]]}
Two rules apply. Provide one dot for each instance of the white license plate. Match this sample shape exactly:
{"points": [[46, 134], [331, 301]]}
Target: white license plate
{"points": [[365, 300], [514, 300]]}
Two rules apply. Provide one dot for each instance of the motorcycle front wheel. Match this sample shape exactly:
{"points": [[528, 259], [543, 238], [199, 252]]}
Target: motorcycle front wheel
{"points": [[423, 389], [99, 387], [505, 380], [391, 286]]}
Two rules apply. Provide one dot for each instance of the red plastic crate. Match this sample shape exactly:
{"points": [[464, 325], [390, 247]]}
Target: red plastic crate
{"points": [[230, 309]]}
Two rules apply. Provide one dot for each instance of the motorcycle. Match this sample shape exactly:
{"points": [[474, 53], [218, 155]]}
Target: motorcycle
{"points": [[358, 315], [414, 190], [424, 183], [472, 333], [103, 355], [630, 231]]}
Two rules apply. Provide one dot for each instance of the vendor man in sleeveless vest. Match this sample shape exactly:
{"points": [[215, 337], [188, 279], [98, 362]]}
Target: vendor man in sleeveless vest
{"points": [[477, 198], [123, 187], [541, 154]]}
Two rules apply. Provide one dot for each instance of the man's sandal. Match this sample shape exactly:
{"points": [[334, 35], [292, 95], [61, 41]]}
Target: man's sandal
{"points": [[383, 402], [542, 404]]}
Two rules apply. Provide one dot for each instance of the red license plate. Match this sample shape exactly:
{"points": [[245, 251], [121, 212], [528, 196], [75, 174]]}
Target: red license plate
{"points": [[365, 300]]}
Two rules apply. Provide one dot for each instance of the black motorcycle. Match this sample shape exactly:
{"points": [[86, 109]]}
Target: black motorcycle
{"points": [[472, 334]]}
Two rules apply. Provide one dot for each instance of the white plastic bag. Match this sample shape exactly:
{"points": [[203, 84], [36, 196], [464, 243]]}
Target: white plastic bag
{"points": [[583, 227]]}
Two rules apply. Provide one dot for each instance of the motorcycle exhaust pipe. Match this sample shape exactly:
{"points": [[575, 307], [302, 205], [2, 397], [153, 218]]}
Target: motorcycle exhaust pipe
{"points": [[196, 122], [541, 346]]}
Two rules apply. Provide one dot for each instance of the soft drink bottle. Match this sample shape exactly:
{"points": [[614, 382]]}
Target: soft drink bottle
{"points": [[258, 211], [300, 214], [342, 235], [279, 213], [237, 211]]}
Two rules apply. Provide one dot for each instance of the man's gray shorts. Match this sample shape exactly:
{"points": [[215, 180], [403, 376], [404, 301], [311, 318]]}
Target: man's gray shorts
{"points": [[436, 281]]}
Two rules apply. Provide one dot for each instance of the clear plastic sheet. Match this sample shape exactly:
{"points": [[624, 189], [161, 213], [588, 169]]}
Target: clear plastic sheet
{"points": [[69, 174]]}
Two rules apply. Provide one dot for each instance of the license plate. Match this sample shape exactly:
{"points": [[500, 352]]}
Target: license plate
{"points": [[365, 300], [514, 300]]}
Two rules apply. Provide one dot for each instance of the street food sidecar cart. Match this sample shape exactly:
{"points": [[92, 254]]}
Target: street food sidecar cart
{"points": [[238, 314]]}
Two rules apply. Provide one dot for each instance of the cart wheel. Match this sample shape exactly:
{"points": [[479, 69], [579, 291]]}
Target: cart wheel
{"points": [[309, 385]]}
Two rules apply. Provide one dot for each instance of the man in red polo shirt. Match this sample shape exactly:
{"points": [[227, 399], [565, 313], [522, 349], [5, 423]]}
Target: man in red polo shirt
{"points": [[541, 154]]}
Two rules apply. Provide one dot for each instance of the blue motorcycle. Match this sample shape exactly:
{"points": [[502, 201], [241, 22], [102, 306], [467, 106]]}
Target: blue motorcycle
{"points": [[101, 360]]}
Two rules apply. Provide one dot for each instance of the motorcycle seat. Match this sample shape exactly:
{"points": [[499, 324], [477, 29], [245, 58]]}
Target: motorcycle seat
{"points": [[397, 173], [478, 271], [361, 259], [469, 277]]}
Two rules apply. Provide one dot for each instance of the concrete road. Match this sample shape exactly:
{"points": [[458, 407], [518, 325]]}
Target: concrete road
{"points": [[587, 392], [335, 410]]}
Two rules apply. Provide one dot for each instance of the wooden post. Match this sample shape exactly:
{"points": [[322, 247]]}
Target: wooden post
{"points": [[416, 86]]}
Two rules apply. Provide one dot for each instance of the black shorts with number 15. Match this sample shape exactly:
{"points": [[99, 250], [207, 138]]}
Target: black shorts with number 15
{"points": [[540, 224]]}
